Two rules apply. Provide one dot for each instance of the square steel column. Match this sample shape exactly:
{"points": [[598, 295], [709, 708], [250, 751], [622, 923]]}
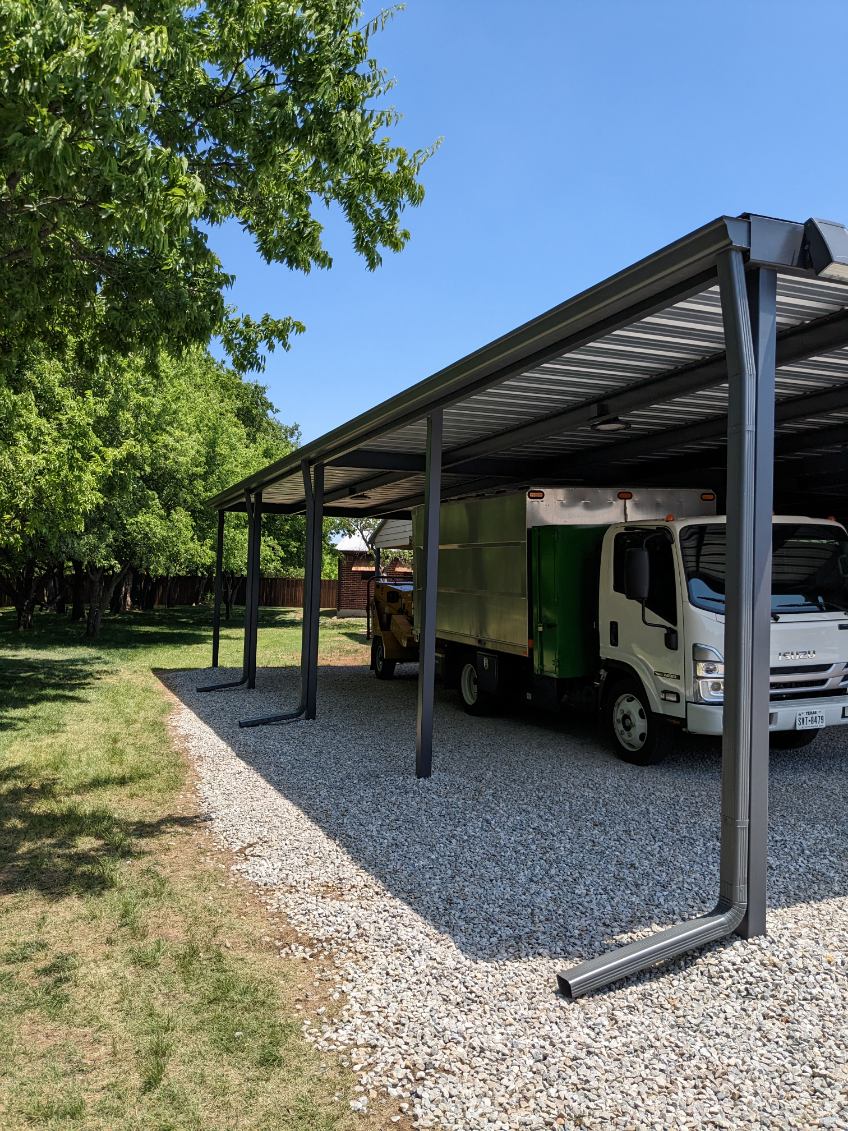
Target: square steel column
{"points": [[312, 585], [428, 590], [762, 303], [249, 648], [747, 630], [216, 607], [251, 612]]}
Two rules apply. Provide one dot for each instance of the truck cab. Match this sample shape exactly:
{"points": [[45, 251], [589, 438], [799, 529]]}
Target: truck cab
{"points": [[661, 606]]}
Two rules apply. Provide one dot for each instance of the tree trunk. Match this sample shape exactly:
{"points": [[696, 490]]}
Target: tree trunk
{"points": [[60, 589], [78, 592], [24, 611], [227, 590], [145, 586], [122, 597], [24, 596], [126, 593], [102, 588], [166, 599], [95, 598]]}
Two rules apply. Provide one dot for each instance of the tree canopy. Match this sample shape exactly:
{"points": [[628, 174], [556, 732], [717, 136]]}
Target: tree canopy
{"points": [[129, 130], [110, 466]]}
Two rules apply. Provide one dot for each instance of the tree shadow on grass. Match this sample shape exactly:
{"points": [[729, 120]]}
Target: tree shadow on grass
{"points": [[59, 846], [160, 628], [27, 683]]}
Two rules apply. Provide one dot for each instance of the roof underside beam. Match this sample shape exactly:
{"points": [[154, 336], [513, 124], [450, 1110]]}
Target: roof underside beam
{"points": [[608, 470], [793, 345], [786, 411]]}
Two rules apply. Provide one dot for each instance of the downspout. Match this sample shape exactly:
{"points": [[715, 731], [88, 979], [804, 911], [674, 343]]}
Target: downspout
{"points": [[745, 684]]}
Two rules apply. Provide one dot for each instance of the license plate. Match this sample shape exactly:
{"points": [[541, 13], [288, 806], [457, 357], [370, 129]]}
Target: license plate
{"points": [[809, 720]]}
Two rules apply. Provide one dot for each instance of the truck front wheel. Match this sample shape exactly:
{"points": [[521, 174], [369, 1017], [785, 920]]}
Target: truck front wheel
{"points": [[639, 736], [383, 668]]}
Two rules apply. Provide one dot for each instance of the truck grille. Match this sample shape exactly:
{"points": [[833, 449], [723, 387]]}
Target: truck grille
{"points": [[809, 680]]}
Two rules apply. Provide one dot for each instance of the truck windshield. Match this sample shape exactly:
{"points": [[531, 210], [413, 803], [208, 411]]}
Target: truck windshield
{"points": [[809, 567]]}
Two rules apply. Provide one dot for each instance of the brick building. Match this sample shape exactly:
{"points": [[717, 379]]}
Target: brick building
{"points": [[356, 568]]}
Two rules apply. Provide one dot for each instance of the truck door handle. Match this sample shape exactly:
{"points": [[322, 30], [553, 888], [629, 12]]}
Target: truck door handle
{"points": [[614, 633]]}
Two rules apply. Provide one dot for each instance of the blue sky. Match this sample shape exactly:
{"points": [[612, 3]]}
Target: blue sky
{"points": [[578, 136]]}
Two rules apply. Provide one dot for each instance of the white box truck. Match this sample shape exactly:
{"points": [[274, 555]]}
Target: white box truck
{"points": [[565, 596]]}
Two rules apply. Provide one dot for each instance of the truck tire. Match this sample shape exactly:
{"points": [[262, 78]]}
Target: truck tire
{"points": [[638, 735], [383, 668], [792, 739], [475, 701]]}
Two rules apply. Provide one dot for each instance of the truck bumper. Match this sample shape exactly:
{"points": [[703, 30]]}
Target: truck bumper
{"points": [[706, 718]]}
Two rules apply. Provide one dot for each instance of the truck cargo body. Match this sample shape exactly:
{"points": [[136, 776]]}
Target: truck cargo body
{"points": [[495, 565], [615, 598]]}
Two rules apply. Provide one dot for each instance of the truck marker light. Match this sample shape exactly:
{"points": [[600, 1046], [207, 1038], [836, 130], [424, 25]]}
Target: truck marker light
{"points": [[625, 495], [535, 494], [669, 518], [670, 696], [708, 497]]}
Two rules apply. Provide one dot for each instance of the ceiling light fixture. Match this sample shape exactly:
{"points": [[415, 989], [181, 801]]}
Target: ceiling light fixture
{"points": [[604, 422]]}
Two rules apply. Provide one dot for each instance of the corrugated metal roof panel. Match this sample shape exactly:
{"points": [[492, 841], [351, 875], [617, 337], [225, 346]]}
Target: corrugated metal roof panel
{"points": [[681, 338]]}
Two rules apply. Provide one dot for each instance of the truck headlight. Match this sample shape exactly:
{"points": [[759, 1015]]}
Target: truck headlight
{"points": [[709, 673]]}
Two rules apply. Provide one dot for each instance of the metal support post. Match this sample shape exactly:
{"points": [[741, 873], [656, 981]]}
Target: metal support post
{"points": [[313, 496], [759, 412], [249, 627], [251, 639], [216, 607], [744, 765], [312, 618], [428, 589]]}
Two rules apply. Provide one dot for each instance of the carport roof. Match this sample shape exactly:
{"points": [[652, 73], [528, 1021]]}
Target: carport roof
{"points": [[625, 383]]}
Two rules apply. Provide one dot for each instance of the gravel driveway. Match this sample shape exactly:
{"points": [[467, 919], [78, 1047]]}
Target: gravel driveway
{"points": [[447, 907]]}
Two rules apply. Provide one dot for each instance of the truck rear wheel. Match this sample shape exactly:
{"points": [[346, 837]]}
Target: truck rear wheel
{"points": [[475, 701], [639, 736], [383, 668]]}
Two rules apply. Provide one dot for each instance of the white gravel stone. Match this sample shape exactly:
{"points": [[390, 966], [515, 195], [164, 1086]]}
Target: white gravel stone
{"points": [[447, 907]]}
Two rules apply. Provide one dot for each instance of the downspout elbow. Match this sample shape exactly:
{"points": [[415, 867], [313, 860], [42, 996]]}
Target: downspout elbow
{"points": [[636, 956]]}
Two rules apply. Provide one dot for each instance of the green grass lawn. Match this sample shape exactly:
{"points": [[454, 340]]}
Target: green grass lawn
{"points": [[139, 983]]}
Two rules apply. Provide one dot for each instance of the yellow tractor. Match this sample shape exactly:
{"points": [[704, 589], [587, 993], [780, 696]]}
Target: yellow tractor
{"points": [[394, 641]]}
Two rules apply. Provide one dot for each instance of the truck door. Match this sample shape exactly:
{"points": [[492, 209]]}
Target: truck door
{"points": [[647, 640]]}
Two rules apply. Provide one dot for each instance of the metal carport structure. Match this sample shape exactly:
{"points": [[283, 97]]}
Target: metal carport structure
{"points": [[720, 360]]}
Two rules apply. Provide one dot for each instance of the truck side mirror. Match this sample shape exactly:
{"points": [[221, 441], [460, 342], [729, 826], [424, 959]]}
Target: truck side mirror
{"points": [[637, 574]]}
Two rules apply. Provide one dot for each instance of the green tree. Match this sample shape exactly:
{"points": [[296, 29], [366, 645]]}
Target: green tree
{"points": [[129, 131], [51, 468], [176, 432]]}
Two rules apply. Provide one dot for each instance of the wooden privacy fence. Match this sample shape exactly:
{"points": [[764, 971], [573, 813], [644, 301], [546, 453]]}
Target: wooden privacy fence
{"points": [[285, 592], [288, 592], [157, 592], [274, 592]]}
